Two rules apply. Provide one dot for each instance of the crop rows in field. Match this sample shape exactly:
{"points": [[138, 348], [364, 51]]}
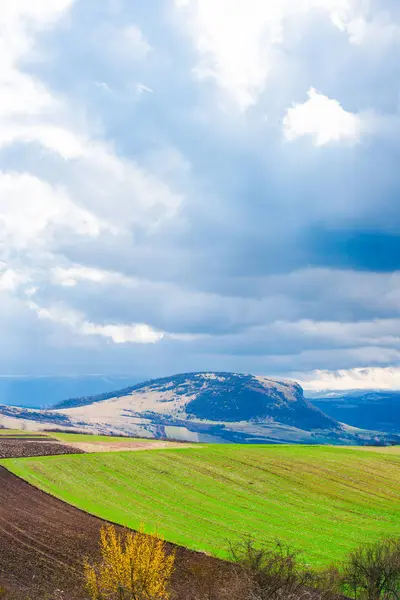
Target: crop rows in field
{"points": [[322, 500]]}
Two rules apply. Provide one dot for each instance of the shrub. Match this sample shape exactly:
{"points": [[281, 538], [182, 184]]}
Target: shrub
{"points": [[275, 571], [373, 572], [133, 566]]}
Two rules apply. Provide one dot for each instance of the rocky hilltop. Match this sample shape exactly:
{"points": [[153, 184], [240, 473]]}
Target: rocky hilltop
{"points": [[215, 397], [206, 406]]}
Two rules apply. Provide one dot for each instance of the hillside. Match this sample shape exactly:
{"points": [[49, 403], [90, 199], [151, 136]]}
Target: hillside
{"points": [[209, 407], [322, 500], [368, 409], [214, 397]]}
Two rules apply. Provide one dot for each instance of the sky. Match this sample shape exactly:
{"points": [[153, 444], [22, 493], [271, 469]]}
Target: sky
{"points": [[201, 185]]}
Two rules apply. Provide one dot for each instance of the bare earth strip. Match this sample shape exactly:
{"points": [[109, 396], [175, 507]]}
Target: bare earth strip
{"points": [[19, 448], [123, 446]]}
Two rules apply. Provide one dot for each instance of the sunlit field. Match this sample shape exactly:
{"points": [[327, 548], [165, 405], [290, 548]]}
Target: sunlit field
{"points": [[322, 500]]}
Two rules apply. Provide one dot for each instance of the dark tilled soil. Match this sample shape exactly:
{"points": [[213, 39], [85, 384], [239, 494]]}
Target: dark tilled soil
{"points": [[18, 448], [43, 542]]}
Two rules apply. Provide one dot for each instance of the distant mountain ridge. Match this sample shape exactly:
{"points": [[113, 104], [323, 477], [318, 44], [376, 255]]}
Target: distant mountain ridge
{"points": [[368, 409], [201, 406]]}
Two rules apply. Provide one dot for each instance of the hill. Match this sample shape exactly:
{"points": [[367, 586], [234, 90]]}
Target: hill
{"points": [[322, 500], [209, 407], [214, 397], [371, 409]]}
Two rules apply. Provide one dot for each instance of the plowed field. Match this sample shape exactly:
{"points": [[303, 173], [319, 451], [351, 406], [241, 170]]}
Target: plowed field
{"points": [[18, 448]]}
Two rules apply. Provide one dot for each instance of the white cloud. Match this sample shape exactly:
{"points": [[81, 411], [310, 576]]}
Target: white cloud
{"points": [[95, 191], [376, 31], [31, 113], [238, 41], [57, 314], [385, 332], [322, 118], [132, 43], [10, 279], [96, 170], [27, 107], [52, 137], [138, 195], [384, 378], [19, 21], [137, 333], [96, 167], [32, 210], [141, 88], [15, 88], [71, 276], [118, 333], [122, 334], [40, 13]]}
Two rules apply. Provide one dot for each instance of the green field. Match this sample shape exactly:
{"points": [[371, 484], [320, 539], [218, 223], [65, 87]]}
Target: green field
{"points": [[73, 437], [322, 500], [21, 434]]}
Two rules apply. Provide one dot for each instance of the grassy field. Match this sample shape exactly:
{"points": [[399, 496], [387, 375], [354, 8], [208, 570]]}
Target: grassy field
{"points": [[380, 449], [322, 500], [73, 437], [20, 433]]}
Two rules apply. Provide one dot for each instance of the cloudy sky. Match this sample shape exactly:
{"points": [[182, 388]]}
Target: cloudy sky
{"points": [[201, 184]]}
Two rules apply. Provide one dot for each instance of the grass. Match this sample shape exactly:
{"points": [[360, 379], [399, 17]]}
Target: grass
{"points": [[81, 437], [322, 500], [380, 449], [72, 437], [19, 433]]}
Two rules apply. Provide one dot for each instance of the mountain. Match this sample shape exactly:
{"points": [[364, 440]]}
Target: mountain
{"points": [[214, 406], [214, 397], [368, 409]]}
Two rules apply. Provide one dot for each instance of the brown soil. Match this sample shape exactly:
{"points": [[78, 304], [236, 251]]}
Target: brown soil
{"points": [[124, 446], [18, 448], [43, 542]]}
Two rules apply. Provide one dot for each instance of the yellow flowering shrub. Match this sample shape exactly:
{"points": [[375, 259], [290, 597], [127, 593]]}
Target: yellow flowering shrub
{"points": [[133, 566]]}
